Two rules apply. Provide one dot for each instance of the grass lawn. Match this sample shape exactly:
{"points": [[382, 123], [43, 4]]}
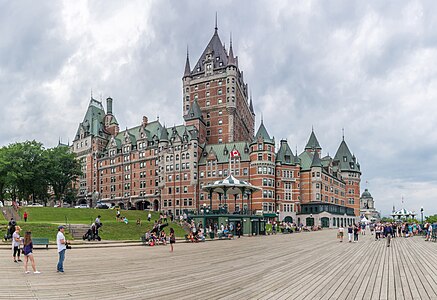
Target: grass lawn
{"points": [[44, 221]]}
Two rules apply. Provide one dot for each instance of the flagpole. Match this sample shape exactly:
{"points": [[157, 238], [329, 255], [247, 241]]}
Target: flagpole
{"points": [[230, 162]]}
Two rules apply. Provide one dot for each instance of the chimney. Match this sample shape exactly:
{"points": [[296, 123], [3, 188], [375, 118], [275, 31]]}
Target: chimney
{"points": [[145, 121], [109, 106]]}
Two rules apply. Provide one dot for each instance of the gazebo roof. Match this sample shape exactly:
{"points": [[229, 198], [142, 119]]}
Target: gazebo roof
{"points": [[230, 186], [403, 212]]}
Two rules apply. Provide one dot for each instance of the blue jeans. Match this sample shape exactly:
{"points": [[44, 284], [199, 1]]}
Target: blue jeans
{"points": [[61, 261]]}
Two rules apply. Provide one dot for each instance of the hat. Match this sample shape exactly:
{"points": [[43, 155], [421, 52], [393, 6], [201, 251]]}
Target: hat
{"points": [[60, 227]]}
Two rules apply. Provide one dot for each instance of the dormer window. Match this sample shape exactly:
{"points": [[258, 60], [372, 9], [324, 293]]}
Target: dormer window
{"points": [[217, 58], [208, 67]]}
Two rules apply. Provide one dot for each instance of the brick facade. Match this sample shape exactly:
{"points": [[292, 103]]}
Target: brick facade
{"points": [[153, 167]]}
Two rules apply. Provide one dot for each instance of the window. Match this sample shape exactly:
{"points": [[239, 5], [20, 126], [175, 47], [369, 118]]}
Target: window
{"points": [[219, 92], [260, 146], [208, 103], [220, 122]]}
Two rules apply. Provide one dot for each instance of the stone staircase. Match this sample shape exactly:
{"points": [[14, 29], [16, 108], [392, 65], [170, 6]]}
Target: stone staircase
{"points": [[78, 230]]}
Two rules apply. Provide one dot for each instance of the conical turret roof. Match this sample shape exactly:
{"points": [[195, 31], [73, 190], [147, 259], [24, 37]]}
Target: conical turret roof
{"points": [[316, 160], [345, 158], [194, 112], [263, 134], [285, 155], [313, 143], [187, 71]]}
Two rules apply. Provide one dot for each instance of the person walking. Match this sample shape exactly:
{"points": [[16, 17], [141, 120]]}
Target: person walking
{"points": [[340, 233], [388, 232], [16, 241], [28, 255], [62, 246], [239, 229], [25, 215], [117, 216], [356, 230], [172, 239], [350, 232], [149, 217]]}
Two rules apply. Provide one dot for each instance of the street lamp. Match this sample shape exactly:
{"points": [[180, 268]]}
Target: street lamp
{"points": [[421, 212]]}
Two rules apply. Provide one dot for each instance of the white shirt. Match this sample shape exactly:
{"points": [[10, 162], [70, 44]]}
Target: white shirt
{"points": [[60, 237], [14, 241]]}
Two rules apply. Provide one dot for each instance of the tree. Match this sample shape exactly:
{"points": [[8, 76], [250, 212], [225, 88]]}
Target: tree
{"points": [[431, 219], [63, 169], [26, 171]]}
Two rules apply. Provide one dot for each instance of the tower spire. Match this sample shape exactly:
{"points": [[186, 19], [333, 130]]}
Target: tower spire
{"points": [[342, 133], [215, 28], [231, 60], [187, 71]]}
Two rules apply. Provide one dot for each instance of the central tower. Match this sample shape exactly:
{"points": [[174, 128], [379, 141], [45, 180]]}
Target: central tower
{"points": [[217, 85]]}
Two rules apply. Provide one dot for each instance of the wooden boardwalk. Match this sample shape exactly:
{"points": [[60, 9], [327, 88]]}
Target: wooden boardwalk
{"points": [[296, 266]]}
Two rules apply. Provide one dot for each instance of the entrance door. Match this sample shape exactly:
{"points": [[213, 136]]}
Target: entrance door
{"points": [[325, 222], [309, 221]]}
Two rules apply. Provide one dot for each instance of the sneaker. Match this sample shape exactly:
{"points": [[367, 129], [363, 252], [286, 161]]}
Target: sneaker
{"points": [[19, 260], [15, 261], [37, 272], [27, 272]]}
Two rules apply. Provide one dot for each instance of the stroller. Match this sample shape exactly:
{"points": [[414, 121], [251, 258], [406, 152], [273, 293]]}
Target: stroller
{"points": [[11, 230], [92, 233]]}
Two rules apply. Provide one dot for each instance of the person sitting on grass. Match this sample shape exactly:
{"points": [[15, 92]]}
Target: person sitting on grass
{"points": [[139, 221]]}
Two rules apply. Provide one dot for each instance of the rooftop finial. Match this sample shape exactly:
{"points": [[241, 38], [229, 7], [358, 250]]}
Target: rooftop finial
{"points": [[262, 118], [216, 28], [312, 128], [230, 39], [342, 133], [91, 93]]}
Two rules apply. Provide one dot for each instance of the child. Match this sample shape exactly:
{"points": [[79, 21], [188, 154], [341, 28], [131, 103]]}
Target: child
{"points": [[27, 251]]}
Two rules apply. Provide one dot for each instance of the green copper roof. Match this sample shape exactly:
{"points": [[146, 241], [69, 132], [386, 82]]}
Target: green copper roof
{"points": [[222, 155], [194, 112], [347, 162], [263, 134], [366, 194], [306, 159], [93, 121], [316, 162], [285, 155], [164, 134], [313, 142]]}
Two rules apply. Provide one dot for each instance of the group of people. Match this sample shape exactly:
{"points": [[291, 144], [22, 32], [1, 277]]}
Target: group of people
{"points": [[157, 235], [24, 246], [386, 230]]}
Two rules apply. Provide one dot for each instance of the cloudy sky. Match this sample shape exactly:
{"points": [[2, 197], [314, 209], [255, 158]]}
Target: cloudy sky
{"points": [[365, 66]]}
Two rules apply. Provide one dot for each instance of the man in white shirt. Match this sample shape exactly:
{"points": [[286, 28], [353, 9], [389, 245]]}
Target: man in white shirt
{"points": [[61, 243]]}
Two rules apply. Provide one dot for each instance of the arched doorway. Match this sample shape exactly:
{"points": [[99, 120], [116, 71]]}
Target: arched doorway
{"points": [[156, 205], [333, 222], [309, 221], [325, 222], [121, 204], [143, 205], [288, 219]]}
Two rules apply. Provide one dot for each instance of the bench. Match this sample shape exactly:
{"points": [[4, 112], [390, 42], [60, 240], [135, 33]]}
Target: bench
{"points": [[41, 241]]}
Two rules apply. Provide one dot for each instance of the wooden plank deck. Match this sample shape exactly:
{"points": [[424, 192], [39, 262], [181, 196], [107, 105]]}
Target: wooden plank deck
{"points": [[311, 265]]}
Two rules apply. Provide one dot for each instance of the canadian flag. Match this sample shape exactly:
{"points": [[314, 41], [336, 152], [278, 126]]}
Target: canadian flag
{"points": [[235, 153]]}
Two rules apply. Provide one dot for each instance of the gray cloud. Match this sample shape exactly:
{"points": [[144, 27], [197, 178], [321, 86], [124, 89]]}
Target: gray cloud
{"points": [[367, 67]]}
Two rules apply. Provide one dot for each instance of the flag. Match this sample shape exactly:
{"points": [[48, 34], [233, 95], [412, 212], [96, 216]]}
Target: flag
{"points": [[235, 153]]}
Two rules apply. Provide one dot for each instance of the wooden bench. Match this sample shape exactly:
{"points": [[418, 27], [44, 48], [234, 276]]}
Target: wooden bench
{"points": [[41, 241]]}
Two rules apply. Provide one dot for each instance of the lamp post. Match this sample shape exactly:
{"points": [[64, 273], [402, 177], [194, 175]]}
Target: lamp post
{"points": [[421, 213]]}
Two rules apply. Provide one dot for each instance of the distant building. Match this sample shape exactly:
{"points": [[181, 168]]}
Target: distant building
{"points": [[402, 214], [367, 207], [154, 167]]}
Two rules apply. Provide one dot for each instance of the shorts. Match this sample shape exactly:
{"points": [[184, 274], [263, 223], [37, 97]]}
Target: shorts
{"points": [[28, 254], [340, 234]]}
